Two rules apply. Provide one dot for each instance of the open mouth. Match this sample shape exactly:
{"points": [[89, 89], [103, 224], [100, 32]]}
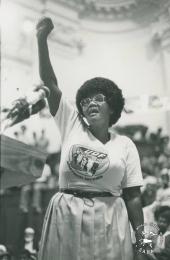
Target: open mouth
{"points": [[93, 111]]}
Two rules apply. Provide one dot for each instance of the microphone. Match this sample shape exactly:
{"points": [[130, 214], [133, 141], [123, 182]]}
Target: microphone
{"points": [[30, 104], [38, 93]]}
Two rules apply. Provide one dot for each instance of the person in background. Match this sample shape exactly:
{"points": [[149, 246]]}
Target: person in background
{"points": [[147, 165], [38, 186], [163, 193], [23, 134], [28, 251], [4, 254], [40, 183], [161, 249], [163, 159], [149, 190], [16, 135], [25, 190], [34, 141], [26, 255], [149, 203], [29, 240], [43, 141]]}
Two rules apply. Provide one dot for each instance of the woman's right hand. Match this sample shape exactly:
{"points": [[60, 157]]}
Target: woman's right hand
{"points": [[44, 28]]}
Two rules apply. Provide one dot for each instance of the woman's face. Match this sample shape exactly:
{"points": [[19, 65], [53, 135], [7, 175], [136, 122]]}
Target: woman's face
{"points": [[96, 109]]}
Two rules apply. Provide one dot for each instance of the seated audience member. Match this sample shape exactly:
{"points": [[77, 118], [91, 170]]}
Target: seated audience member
{"points": [[163, 193], [161, 250], [4, 254], [38, 186], [148, 198], [162, 247], [149, 190], [26, 255], [147, 166], [29, 240]]}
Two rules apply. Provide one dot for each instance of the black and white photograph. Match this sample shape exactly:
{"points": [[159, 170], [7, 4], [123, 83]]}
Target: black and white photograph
{"points": [[85, 130]]}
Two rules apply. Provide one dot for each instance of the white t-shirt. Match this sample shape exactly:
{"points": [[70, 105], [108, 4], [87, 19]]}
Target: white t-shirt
{"points": [[88, 164]]}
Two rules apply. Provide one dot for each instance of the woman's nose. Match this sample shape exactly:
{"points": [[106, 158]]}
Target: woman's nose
{"points": [[92, 101]]}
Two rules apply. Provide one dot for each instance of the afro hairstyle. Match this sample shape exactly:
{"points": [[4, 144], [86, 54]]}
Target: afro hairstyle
{"points": [[109, 89]]}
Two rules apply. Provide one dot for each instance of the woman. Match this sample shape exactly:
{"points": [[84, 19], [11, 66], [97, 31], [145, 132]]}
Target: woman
{"points": [[87, 219]]}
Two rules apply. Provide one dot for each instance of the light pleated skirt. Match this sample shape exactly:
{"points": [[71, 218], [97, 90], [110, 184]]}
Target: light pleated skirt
{"points": [[85, 229]]}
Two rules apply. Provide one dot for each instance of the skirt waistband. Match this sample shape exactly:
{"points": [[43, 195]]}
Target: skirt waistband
{"points": [[86, 194]]}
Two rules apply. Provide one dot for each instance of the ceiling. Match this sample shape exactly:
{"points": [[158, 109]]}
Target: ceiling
{"points": [[139, 11]]}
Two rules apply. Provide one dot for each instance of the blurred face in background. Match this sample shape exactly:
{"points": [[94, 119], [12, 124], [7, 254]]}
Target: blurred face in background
{"points": [[3, 253], [151, 189], [162, 224], [165, 180], [29, 235]]}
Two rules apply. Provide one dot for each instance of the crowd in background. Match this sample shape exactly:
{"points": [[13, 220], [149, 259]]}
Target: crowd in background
{"points": [[155, 165]]}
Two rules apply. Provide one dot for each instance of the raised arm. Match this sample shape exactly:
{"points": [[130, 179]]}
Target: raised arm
{"points": [[47, 75]]}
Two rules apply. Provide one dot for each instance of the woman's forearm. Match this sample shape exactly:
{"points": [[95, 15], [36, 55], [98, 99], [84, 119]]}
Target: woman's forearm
{"points": [[47, 75], [132, 198], [135, 213], [45, 68]]}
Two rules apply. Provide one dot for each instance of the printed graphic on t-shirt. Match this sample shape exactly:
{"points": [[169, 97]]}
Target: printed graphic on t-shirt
{"points": [[87, 163]]}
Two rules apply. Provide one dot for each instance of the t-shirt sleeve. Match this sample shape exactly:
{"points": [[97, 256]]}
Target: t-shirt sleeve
{"points": [[133, 174], [65, 117]]}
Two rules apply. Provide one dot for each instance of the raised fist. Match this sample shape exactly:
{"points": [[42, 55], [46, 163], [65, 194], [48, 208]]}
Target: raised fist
{"points": [[44, 27]]}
